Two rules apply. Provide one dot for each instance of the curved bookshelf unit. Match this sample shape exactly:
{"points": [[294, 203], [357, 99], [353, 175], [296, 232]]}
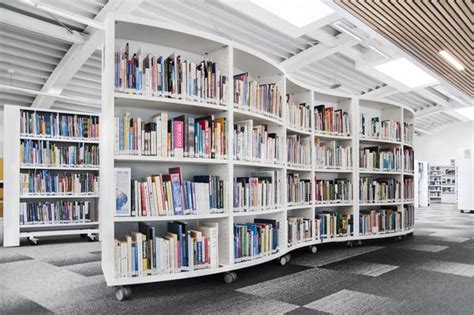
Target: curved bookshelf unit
{"points": [[285, 157]]}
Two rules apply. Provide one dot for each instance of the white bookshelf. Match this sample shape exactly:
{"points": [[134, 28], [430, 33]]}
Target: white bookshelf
{"points": [[448, 184], [233, 59], [13, 230], [434, 183]]}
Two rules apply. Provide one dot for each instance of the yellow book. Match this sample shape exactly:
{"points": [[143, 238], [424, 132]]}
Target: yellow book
{"points": [[1, 168]]}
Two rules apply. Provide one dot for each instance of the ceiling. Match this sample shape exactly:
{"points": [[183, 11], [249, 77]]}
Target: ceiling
{"points": [[58, 54], [423, 28]]}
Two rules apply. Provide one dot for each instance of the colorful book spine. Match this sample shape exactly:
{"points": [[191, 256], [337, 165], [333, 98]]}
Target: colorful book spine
{"points": [[260, 191], [333, 191], [58, 212], [376, 128], [300, 230], [256, 240], [299, 190], [374, 190], [408, 189], [179, 249], [50, 183], [332, 155], [255, 143], [383, 221], [50, 154], [408, 160], [380, 159], [249, 95], [298, 151], [298, 115], [59, 125], [408, 131], [333, 224], [330, 121]]}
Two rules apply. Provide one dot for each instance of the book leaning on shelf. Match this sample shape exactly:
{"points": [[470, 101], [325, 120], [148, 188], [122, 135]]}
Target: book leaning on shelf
{"points": [[300, 230], [298, 115], [249, 95], [328, 120], [380, 159], [172, 76], [408, 160], [260, 191], [386, 220], [298, 150], [299, 190], [181, 136], [332, 155], [375, 128], [374, 190], [65, 183], [58, 212], [59, 125], [181, 248], [333, 191], [169, 195], [47, 154], [255, 143], [408, 131], [256, 240], [332, 224]]}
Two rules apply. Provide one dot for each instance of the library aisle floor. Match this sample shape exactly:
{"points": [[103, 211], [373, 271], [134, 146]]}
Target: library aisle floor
{"points": [[430, 273]]}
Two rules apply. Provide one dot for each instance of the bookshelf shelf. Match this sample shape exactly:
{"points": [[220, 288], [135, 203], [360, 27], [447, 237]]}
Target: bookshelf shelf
{"points": [[245, 66], [171, 218], [166, 103], [65, 129], [366, 204], [362, 171], [385, 235]]}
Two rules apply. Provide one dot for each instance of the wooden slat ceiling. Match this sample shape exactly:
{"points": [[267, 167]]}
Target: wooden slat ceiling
{"points": [[422, 28]]}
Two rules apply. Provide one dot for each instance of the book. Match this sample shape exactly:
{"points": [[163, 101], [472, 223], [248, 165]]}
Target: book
{"points": [[260, 191], [372, 190], [48, 183], [300, 230], [386, 220], [298, 115], [122, 191], [57, 212], [298, 190], [298, 151], [330, 154], [338, 190], [380, 159], [330, 121], [376, 128], [255, 143], [255, 240]]}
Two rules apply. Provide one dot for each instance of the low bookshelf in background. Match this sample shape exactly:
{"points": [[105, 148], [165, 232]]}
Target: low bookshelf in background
{"points": [[53, 182], [216, 160]]}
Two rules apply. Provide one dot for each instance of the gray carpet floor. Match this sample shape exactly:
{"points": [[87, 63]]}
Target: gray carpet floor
{"points": [[429, 273]]}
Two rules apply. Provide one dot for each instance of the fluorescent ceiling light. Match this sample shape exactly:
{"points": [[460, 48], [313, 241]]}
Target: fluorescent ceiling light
{"points": [[467, 112], [341, 27], [298, 12], [449, 58], [378, 51], [406, 72]]}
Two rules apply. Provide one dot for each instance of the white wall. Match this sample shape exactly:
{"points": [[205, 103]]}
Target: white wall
{"points": [[442, 146]]}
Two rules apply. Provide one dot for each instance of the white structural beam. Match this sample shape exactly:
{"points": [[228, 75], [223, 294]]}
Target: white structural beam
{"points": [[423, 131], [381, 92], [40, 27], [78, 54], [317, 52]]}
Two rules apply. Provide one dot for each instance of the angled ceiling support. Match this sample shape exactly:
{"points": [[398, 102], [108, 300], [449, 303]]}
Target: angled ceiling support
{"points": [[381, 92], [39, 27], [78, 54], [317, 52]]}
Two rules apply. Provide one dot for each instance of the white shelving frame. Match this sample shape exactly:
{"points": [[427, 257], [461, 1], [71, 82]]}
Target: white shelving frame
{"points": [[258, 64], [434, 183], [13, 231], [448, 184]]}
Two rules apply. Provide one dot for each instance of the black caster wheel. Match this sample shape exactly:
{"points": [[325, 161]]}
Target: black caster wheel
{"points": [[283, 260], [399, 238], [230, 277], [313, 249], [83, 235], [123, 293], [349, 244], [462, 211], [359, 243], [91, 238], [33, 240]]}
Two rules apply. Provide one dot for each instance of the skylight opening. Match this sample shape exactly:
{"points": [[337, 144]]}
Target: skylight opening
{"points": [[406, 72]]}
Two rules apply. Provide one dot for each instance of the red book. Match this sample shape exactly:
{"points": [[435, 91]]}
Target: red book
{"points": [[178, 128]]}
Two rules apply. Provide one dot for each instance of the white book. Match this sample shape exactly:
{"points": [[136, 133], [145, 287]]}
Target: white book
{"points": [[211, 230], [122, 191]]}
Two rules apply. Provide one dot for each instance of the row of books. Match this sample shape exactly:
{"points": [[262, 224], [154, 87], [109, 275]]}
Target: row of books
{"points": [[45, 153], [328, 120], [338, 190], [300, 230], [58, 212], [181, 249], [380, 129], [408, 189], [162, 136], [409, 159], [298, 115], [51, 183], [332, 155], [262, 190], [172, 76], [380, 159], [256, 240], [261, 98], [255, 143], [298, 151], [299, 189], [386, 220], [333, 224], [161, 195], [59, 125], [408, 131], [379, 190]]}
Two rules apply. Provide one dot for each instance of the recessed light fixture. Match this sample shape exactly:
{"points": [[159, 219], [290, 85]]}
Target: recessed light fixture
{"points": [[449, 58], [298, 12], [341, 27], [379, 52], [406, 72], [467, 112]]}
